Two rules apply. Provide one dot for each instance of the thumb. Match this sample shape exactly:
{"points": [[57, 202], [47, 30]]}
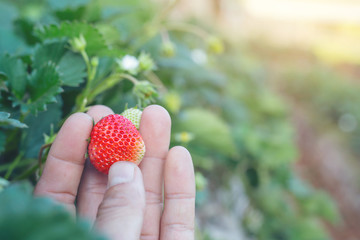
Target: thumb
{"points": [[120, 214]]}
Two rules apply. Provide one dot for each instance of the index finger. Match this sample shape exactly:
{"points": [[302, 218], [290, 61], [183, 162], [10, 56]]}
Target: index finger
{"points": [[65, 162]]}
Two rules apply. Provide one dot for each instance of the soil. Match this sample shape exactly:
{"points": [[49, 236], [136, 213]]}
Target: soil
{"points": [[324, 161]]}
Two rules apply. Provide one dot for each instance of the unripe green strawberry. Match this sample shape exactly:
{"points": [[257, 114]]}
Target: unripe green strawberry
{"points": [[115, 138], [134, 115]]}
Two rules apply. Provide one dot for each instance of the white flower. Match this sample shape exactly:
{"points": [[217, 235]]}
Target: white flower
{"points": [[129, 63], [199, 56]]}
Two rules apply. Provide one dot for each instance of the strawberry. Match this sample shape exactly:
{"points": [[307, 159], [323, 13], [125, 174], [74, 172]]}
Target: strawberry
{"points": [[115, 138], [134, 115]]}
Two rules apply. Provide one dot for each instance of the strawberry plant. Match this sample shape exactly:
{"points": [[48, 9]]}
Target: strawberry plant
{"points": [[60, 57]]}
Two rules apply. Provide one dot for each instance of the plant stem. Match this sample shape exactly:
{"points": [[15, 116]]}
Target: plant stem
{"points": [[83, 97], [43, 147], [185, 27], [87, 62], [130, 78], [25, 162], [13, 165], [27, 173], [109, 82], [156, 80]]}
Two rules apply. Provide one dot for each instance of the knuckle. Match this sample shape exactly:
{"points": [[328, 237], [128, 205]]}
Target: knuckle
{"points": [[120, 196], [180, 227], [153, 197], [181, 196]]}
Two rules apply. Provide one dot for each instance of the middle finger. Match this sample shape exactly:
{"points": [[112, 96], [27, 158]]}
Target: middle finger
{"points": [[155, 129]]}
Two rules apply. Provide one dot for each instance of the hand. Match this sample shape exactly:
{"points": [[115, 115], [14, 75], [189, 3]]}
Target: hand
{"points": [[128, 203]]}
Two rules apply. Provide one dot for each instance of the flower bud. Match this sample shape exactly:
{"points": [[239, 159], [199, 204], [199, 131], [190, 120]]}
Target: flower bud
{"points": [[145, 91], [94, 62], [78, 44], [184, 137], [168, 49], [215, 45], [146, 63], [172, 101]]}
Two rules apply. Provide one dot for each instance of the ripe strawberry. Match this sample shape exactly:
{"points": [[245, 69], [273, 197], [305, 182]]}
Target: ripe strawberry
{"points": [[134, 115], [115, 138]]}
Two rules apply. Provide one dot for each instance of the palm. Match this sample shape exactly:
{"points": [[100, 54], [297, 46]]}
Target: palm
{"points": [[65, 178]]}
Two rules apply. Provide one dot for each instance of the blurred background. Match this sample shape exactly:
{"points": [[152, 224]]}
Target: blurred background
{"points": [[264, 93]]}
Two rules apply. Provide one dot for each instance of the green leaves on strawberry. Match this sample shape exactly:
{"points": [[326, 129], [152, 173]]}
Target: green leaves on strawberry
{"points": [[115, 138]]}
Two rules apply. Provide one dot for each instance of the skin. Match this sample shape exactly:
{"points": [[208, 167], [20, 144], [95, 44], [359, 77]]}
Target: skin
{"points": [[153, 201]]}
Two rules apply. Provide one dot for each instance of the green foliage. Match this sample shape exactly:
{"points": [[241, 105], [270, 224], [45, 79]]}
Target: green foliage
{"points": [[208, 129], [5, 120], [96, 44], [60, 57], [14, 70], [25, 217], [331, 97], [44, 85]]}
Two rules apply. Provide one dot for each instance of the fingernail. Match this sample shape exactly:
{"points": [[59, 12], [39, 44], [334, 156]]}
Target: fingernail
{"points": [[121, 172]]}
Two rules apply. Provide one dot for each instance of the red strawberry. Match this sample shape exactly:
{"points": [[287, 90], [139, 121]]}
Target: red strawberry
{"points": [[115, 138]]}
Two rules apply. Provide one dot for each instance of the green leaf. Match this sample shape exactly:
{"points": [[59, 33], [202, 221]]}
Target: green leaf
{"points": [[25, 29], [72, 70], [71, 67], [308, 228], [69, 9], [40, 124], [44, 85], [3, 76], [66, 4], [209, 130], [5, 120], [49, 52], [49, 220], [15, 71], [70, 14], [95, 41]]}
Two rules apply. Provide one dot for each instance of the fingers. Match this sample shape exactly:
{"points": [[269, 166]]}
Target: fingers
{"points": [[93, 183], [120, 214], [155, 130], [65, 162], [177, 221]]}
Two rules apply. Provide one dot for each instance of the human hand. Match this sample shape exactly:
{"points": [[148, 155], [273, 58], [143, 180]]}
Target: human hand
{"points": [[128, 203]]}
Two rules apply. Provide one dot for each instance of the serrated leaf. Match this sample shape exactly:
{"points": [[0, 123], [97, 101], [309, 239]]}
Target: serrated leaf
{"points": [[49, 220], [49, 52], [72, 70], [70, 14], [15, 71], [24, 28], [209, 130], [44, 85], [5, 120], [95, 43], [66, 4], [71, 67]]}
